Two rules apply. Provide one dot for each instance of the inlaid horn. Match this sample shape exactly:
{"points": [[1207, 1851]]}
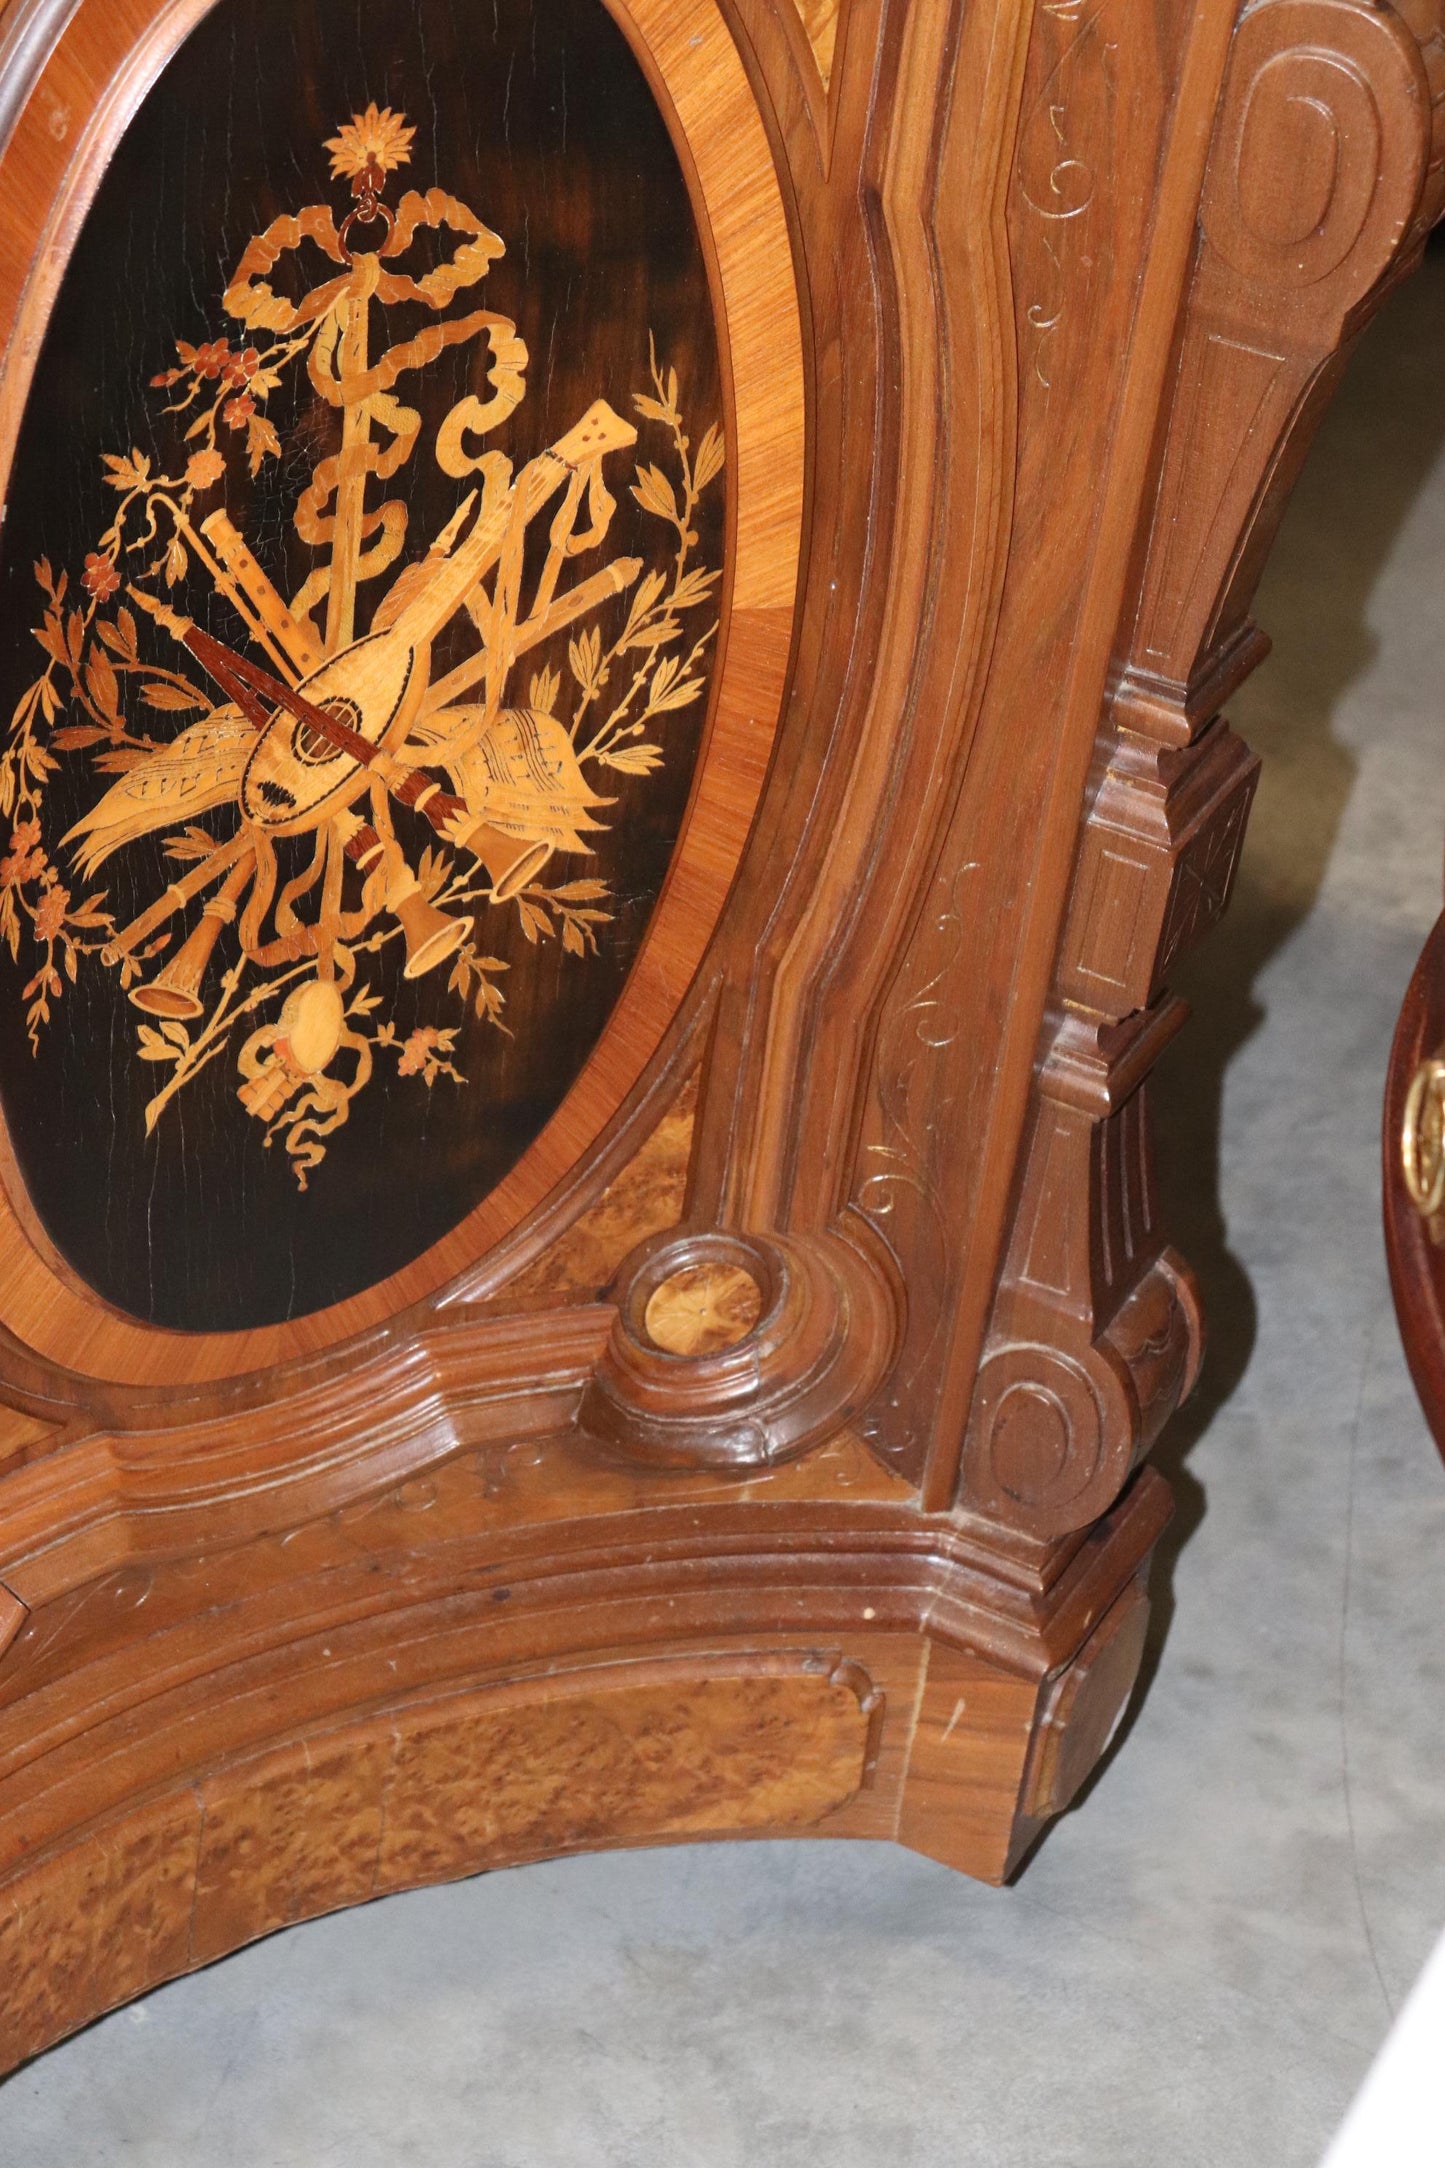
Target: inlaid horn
{"points": [[175, 991], [431, 935], [511, 861]]}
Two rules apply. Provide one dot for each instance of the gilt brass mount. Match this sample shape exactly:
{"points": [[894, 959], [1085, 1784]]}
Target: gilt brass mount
{"points": [[1422, 1143]]}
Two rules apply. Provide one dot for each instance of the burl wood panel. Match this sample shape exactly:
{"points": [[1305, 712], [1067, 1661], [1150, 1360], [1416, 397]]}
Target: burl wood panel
{"points": [[784, 1409], [422, 1795], [646, 1198]]}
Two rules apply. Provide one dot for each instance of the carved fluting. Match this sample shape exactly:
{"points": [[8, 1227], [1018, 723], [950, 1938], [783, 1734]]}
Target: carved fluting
{"points": [[1322, 177]]}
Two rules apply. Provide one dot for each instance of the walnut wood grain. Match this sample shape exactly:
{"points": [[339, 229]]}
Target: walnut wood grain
{"points": [[1026, 315], [1323, 177], [820, 21], [639, 1752], [184, 1808]]}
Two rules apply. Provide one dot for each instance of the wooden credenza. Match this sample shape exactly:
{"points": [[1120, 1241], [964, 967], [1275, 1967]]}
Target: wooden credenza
{"points": [[614, 627]]}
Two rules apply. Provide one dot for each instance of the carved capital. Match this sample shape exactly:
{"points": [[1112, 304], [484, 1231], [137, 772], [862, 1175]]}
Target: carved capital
{"points": [[1318, 158]]}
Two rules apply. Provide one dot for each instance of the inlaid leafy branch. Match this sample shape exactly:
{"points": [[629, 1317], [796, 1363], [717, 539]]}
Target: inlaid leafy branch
{"points": [[664, 683]]}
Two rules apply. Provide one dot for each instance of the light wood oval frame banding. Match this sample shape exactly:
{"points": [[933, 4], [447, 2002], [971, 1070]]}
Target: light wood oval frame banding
{"points": [[108, 56]]}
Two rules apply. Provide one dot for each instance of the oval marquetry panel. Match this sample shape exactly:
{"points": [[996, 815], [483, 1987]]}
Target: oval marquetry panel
{"points": [[400, 556], [418, 417]]}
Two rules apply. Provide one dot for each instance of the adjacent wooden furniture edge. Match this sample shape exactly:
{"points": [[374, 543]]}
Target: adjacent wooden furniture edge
{"points": [[1412, 1243]]}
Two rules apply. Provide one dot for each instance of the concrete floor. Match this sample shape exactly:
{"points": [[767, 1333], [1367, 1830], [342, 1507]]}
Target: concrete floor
{"points": [[1198, 1965]]}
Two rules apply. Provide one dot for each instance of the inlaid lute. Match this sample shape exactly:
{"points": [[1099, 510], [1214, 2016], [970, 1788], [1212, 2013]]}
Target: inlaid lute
{"points": [[320, 740]]}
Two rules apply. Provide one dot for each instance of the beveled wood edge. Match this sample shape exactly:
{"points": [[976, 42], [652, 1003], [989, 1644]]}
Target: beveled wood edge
{"points": [[691, 59], [28, 31], [13, 1614], [920, 223]]}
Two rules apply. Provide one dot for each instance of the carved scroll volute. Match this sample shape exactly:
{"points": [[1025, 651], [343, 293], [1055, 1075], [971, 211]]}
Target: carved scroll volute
{"points": [[1093, 121], [1097, 1333], [1316, 189]]}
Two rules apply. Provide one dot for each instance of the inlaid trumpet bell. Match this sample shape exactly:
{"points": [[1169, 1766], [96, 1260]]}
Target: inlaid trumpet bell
{"points": [[175, 991], [431, 935], [511, 861]]}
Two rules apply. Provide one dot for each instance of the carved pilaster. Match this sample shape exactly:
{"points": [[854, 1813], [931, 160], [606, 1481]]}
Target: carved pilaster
{"points": [[1082, 234], [1324, 176]]}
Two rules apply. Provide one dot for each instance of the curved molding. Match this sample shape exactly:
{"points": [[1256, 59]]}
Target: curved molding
{"points": [[619, 1570], [28, 33], [942, 507]]}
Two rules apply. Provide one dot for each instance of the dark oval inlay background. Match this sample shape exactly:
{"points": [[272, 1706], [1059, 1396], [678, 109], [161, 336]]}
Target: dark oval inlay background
{"points": [[536, 115]]}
